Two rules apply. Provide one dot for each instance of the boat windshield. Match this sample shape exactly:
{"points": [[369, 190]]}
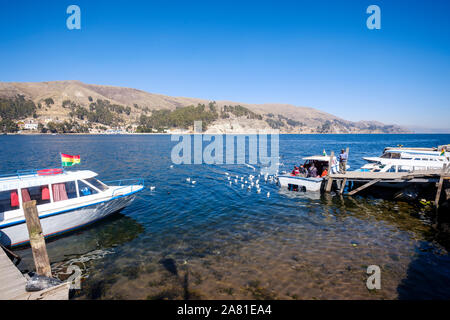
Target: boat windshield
{"points": [[391, 155], [98, 184]]}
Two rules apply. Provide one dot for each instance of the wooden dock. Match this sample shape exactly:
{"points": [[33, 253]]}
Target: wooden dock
{"points": [[12, 284], [367, 179]]}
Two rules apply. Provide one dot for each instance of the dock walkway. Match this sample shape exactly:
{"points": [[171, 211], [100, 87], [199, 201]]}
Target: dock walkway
{"points": [[372, 178], [12, 284]]}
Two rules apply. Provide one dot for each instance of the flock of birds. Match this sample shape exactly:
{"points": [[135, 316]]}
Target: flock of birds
{"points": [[248, 182], [251, 181]]}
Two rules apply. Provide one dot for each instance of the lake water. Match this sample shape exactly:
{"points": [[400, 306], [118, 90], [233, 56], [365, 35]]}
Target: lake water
{"points": [[215, 241]]}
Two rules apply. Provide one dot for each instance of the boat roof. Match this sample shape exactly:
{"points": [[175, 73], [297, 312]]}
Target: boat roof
{"points": [[415, 151], [318, 158], [33, 179]]}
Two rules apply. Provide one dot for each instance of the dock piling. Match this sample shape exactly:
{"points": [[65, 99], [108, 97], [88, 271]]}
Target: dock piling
{"points": [[37, 241], [329, 180]]}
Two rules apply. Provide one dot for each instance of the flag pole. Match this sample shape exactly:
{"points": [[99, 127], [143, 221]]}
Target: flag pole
{"points": [[60, 159]]}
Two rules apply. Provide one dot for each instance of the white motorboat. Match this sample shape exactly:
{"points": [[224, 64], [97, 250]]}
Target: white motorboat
{"points": [[303, 182], [402, 159], [66, 200]]}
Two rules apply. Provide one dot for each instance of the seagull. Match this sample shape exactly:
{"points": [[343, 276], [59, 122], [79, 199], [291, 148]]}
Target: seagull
{"points": [[228, 178], [171, 166], [235, 181], [268, 194], [242, 186], [258, 190], [245, 181], [252, 184], [188, 179], [227, 173], [230, 183], [152, 188], [193, 182]]}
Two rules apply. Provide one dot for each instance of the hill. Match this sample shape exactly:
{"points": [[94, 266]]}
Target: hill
{"points": [[99, 107]]}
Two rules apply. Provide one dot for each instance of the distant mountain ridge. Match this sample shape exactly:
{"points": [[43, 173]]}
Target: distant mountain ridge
{"points": [[287, 118]]}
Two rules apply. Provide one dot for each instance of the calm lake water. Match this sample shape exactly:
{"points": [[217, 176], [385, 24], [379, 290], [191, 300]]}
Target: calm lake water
{"points": [[215, 241]]}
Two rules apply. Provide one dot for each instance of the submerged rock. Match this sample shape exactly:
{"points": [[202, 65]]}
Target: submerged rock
{"points": [[38, 283]]}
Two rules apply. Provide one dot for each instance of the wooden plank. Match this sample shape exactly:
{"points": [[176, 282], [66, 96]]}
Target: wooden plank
{"points": [[439, 191], [343, 185], [59, 292], [12, 282], [364, 186], [329, 180], [37, 241]]}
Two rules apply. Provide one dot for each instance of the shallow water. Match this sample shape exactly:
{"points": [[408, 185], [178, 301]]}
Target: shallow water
{"points": [[215, 241]]}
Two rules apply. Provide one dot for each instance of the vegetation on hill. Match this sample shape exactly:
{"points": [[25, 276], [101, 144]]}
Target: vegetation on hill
{"points": [[16, 108], [182, 117], [239, 111], [101, 111]]}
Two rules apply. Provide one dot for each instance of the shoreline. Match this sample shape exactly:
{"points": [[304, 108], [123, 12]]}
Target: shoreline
{"points": [[205, 133]]}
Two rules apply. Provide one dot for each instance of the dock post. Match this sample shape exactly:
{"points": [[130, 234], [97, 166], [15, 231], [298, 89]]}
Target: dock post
{"points": [[439, 189], [37, 240], [341, 191], [329, 180]]}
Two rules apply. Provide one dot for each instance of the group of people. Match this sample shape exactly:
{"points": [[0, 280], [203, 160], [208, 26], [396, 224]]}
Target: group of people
{"points": [[318, 169], [313, 169]]}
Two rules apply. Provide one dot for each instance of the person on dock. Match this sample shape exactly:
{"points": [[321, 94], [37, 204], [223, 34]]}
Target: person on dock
{"points": [[343, 157]]}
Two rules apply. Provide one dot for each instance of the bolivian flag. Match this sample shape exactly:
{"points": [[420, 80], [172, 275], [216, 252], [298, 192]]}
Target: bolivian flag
{"points": [[68, 161]]}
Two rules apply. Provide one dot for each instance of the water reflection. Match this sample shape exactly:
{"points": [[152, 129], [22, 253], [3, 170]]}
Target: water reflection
{"points": [[83, 247]]}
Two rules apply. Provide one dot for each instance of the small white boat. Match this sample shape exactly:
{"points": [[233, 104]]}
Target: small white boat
{"points": [[401, 159], [303, 182], [66, 200]]}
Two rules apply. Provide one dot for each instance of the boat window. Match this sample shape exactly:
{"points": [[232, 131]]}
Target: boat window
{"points": [[9, 200], [85, 190], [98, 184], [395, 155], [40, 193], [64, 191], [386, 155]]}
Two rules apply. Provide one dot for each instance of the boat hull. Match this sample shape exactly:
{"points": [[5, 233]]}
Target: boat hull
{"points": [[57, 224], [308, 184]]}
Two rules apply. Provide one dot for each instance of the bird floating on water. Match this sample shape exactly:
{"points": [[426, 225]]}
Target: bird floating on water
{"points": [[188, 179], [152, 188], [268, 194], [193, 182]]}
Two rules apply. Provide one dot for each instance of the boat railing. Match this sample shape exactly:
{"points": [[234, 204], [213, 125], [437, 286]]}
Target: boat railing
{"points": [[125, 183], [26, 172]]}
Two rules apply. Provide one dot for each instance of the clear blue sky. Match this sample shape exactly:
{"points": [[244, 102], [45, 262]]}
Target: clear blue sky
{"points": [[308, 53]]}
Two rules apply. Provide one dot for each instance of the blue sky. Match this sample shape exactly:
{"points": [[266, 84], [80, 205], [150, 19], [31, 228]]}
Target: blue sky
{"points": [[307, 53]]}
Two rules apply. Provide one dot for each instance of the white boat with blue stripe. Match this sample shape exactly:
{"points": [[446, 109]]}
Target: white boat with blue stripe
{"points": [[304, 181], [66, 200]]}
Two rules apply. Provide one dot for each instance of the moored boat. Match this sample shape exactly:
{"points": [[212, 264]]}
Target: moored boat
{"points": [[303, 182], [66, 200]]}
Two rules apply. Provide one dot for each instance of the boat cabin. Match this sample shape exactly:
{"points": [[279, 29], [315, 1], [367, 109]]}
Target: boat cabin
{"points": [[47, 186], [320, 162]]}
